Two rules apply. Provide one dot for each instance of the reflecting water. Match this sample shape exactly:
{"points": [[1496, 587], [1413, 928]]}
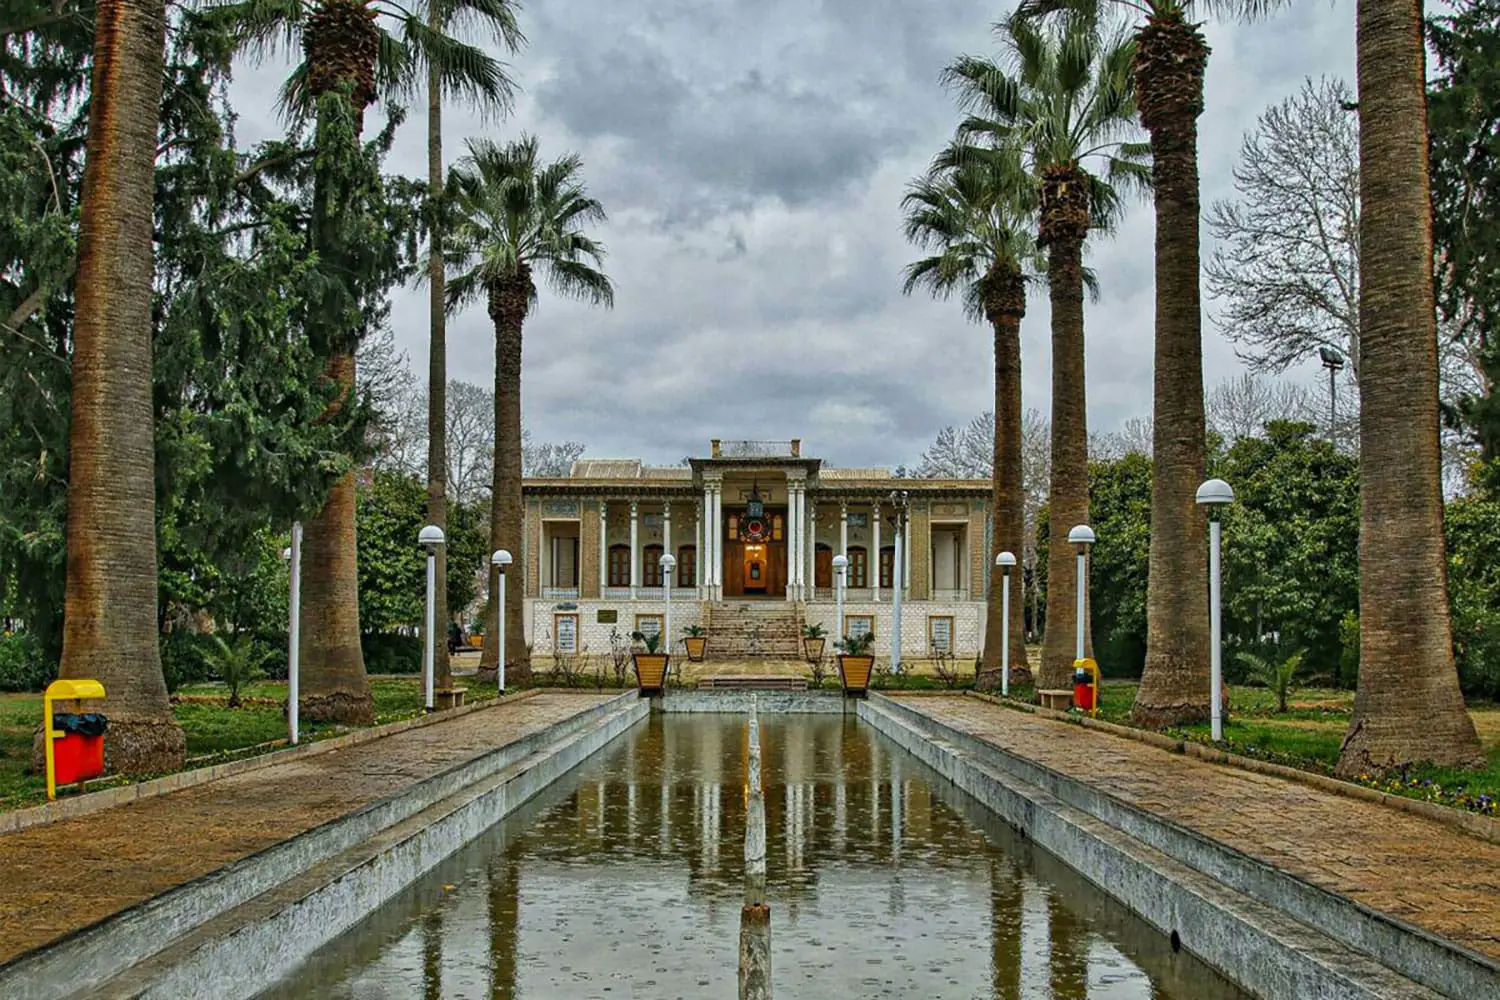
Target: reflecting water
{"points": [[626, 879]]}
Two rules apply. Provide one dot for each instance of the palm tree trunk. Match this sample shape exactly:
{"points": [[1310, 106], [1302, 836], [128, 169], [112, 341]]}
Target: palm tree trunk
{"points": [[1408, 707], [507, 305], [437, 365], [1005, 309], [1170, 60], [110, 632], [341, 44], [1068, 500], [334, 687]]}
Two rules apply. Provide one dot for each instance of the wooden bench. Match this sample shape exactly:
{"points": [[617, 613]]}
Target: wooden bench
{"points": [[1060, 699]]}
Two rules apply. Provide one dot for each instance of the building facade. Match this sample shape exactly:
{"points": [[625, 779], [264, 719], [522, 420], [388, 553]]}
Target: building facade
{"points": [[754, 529]]}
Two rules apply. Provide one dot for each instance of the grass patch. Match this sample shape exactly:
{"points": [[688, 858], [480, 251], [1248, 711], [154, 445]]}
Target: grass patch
{"points": [[1308, 736], [213, 730]]}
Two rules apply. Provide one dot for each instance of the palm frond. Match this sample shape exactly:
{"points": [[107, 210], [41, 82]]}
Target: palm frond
{"points": [[493, 19], [261, 29], [463, 69]]}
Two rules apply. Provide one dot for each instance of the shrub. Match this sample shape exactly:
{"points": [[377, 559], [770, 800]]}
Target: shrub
{"points": [[23, 666], [391, 653], [183, 658]]}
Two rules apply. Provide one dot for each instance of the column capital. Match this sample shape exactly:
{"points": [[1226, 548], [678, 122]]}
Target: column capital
{"points": [[634, 507]]}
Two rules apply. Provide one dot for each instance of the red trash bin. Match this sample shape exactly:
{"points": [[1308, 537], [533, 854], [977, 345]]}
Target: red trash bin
{"points": [[1083, 691], [79, 755]]}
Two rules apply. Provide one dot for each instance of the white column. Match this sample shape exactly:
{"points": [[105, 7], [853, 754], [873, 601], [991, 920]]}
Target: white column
{"points": [[716, 532], [804, 584], [635, 549], [705, 547], [793, 560], [875, 515], [603, 547], [666, 545], [906, 555], [698, 554], [844, 528]]}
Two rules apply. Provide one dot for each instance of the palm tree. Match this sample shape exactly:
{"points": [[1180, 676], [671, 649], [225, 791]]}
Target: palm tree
{"points": [[110, 612], [1063, 94], [497, 18], [352, 56], [975, 210], [1408, 707], [515, 216], [1168, 64]]}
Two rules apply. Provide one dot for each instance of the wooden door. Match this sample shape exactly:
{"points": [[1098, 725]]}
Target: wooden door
{"points": [[756, 573], [823, 567], [734, 557]]}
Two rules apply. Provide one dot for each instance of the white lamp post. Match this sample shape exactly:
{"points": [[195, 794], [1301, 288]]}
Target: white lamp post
{"points": [[900, 499], [1081, 536], [431, 539], [668, 564], [1006, 561], [501, 559], [293, 556], [840, 563], [1214, 494]]}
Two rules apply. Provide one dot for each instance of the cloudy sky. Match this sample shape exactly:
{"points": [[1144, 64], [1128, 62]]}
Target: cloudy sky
{"points": [[752, 158]]}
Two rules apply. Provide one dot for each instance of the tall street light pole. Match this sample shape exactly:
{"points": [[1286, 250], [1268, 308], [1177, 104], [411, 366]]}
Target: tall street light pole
{"points": [[501, 559], [1007, 562], [840, 563], [668, 564], [293, 556], [1334, 362], [900, 500], [431, 539], [1215, 494]]}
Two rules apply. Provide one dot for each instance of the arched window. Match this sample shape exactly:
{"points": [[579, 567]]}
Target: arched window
{"points": [[619, 565], [651, 572], [859, 567], [687, 565], [888, 566]]}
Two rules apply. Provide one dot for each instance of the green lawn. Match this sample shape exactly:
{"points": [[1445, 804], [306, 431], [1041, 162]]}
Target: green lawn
{"points": [[1309, 733], [213, 730]]}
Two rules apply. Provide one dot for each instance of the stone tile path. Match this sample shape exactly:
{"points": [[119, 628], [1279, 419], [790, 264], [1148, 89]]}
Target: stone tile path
{"points": [[64, 876], [1413, 868]]}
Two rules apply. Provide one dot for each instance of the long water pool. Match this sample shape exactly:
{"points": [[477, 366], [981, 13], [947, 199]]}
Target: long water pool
{"points": [[625, 880]]}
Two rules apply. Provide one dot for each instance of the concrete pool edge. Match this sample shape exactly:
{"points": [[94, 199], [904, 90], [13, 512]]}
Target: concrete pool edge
{"points": [[78, 962], [246, 950], [1253, 943]]}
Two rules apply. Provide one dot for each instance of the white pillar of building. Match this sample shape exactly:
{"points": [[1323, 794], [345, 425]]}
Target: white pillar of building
{"points": [[717, 527], [906, 556], [603, 547], [794, 541], [705, 549], [875, 583], [844, 528], [635, 549], [666, 545], [698, 553]]}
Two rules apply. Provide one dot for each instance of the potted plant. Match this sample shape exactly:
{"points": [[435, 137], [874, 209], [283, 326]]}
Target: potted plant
{"points": [[696, 642], [813, 642], [856, 663], [651, 665]]}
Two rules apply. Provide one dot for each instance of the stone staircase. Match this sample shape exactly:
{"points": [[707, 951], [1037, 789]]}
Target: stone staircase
{"points": [[753, 630]]}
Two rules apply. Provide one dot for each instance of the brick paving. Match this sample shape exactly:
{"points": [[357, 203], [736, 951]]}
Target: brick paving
{"points": [[64, 876], [1410, 867]]}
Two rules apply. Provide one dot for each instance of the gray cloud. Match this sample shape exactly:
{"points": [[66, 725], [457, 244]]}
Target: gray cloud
{"points": [[752, 159]]}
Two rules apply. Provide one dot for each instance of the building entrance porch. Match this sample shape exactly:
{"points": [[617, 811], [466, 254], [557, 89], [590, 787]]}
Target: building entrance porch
{"points": [[755, 570]]}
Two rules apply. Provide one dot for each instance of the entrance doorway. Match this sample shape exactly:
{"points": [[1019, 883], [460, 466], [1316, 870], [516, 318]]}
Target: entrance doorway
{"points": [[757, 574]]}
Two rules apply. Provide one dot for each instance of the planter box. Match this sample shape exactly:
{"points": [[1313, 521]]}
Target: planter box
{"points": [[651, 671], [697, 647], [855, 672], [813, 648]]}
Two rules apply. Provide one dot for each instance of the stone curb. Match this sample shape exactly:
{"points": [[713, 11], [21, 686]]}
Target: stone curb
{"points": [[1472, 824], [92, 802]]}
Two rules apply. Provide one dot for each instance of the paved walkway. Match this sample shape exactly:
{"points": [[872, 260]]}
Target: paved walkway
{"points": [[64, 876], [1421, 871]]}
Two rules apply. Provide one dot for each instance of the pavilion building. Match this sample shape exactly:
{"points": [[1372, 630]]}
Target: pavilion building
{"points": [[754, 528]]}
